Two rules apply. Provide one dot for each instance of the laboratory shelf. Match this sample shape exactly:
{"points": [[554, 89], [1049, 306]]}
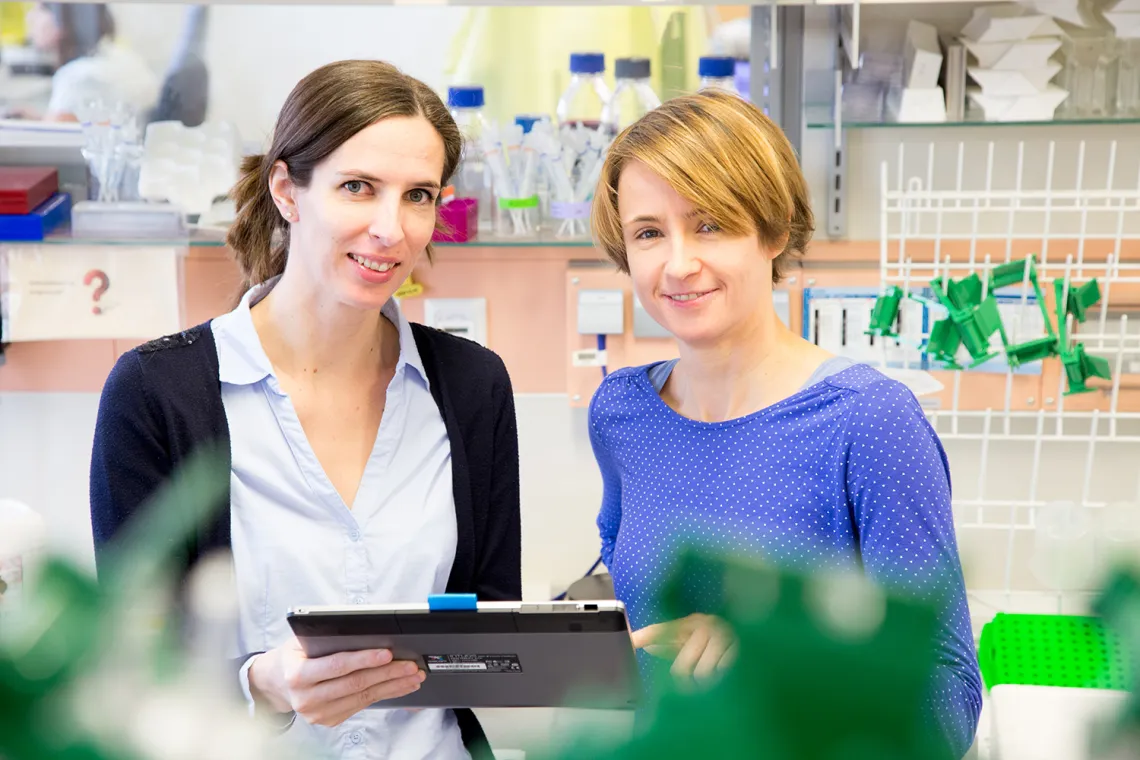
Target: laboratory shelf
{"points": [[215, 238], [821, 117]]}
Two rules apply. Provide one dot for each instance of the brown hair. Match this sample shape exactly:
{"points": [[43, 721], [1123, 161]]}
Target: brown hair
{"points": [[724, 156], [324, 111], [81, 28]]}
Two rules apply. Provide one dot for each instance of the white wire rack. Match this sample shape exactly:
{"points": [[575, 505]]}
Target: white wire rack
{"points": [[938, 220]]}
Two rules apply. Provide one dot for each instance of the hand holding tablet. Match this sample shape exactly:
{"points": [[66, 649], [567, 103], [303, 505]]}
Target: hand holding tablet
{"points": [[329, 690]]}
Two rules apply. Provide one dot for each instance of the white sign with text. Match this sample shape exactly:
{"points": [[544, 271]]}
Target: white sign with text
{"points": [[80, 292]]}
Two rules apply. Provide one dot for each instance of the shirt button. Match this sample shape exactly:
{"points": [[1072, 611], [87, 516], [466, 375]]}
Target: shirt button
{"points": [[356, 738], [358, 600], [354, 535]]}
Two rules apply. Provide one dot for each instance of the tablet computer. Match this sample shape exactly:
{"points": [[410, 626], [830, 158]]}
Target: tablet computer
{"points": [[492, 654]]}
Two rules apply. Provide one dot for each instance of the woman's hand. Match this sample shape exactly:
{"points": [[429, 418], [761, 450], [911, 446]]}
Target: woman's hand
{"points": [[700, 646], [327, 691]]}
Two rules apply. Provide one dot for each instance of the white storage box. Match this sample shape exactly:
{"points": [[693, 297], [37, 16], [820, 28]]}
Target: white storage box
{"points": [[922, 61], [1016, 56], [1039, 107], [1006, 83], [1008, 23]]}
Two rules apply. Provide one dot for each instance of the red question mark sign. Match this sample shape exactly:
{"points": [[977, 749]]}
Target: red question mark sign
{"points": [[104, 284]]}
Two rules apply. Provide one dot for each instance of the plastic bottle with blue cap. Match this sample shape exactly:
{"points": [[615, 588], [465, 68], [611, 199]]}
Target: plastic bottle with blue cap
{"points": [[586, 97], [472, 179], [717, 72]]}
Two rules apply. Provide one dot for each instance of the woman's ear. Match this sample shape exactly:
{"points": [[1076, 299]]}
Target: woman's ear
{"points": [[283, 190], [773, 252]]}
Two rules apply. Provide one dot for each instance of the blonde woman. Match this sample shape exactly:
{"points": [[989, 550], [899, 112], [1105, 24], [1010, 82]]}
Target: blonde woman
{"points": [[754, 441]]}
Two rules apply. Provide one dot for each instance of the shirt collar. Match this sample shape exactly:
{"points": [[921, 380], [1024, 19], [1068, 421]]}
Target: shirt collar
{"points": [[242, 360]]}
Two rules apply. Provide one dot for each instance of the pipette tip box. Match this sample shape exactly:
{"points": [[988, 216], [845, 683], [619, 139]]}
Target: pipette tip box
{"points": [[37, 225], [24, 188]]}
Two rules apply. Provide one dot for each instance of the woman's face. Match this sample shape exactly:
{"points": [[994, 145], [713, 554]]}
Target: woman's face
{"points": [[697, 282], [369, 212], [43, 32]]}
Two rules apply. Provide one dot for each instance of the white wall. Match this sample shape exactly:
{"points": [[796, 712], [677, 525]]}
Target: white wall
{"points": [[257, 53]]}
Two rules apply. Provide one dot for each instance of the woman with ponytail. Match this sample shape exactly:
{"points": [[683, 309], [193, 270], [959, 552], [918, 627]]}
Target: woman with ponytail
{"points": [[373, 461]]}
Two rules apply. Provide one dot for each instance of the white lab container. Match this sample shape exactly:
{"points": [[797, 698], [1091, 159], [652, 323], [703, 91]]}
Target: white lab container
{"points": [[22, 535], [916, 104], [1010, 83], [1027, 54], [1064, 546], [1008, 23], [922, 56], [1039, 107]]}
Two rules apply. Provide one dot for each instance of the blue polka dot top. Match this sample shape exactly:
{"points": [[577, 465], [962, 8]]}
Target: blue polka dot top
{"points": [[846, 471]]}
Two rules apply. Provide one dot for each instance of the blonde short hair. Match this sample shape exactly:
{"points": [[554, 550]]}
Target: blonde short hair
{"points": [[725, 157]]}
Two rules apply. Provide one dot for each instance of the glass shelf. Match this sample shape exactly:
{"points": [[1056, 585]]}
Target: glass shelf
{"points": [[215, 238], [820, 117]]}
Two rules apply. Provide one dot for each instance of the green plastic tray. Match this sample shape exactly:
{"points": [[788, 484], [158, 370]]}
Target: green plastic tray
{"points": [[1052, 650]]}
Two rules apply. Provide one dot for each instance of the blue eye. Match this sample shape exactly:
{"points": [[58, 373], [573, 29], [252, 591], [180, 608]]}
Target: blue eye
{"points": [[647, 234], [354, 186], [710, 227]]}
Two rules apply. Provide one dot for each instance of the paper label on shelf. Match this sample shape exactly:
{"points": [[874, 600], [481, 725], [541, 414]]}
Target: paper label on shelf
{"points": [[80, 292], [567, 210], [589, 357]]}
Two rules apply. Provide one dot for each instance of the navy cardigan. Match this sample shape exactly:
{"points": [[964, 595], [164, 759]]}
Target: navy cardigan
{"points": [[163, 399]]}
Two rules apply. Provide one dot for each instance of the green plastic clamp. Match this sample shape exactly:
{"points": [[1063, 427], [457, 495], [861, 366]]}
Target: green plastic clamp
{"points": [[943, 342], [885, 314], [1081, 298], [1079, 367], [1032, 351], [1013, 273]]}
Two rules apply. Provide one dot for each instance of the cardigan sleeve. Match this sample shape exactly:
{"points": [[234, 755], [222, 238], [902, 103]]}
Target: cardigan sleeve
{"points": [[499, 569], [130, 457]]}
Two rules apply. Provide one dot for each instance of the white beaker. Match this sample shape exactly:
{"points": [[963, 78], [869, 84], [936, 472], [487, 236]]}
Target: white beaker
{"points": [[1064, 546], [22, 534], [1120, 534]]}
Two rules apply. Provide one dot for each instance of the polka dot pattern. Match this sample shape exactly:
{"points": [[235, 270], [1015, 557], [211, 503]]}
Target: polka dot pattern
{"points": [[846, 472]]}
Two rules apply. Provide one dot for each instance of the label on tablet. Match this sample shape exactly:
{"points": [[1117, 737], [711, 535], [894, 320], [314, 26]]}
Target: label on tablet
{"points": [[472, 663]]}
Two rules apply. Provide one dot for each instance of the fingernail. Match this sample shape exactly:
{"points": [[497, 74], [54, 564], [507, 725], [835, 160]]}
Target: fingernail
{"points": [[410, 668], [383, 656]]}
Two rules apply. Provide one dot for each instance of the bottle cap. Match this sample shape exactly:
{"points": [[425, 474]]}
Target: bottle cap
{"points": [[465, 97], [587, 63], [713, 66], [632, 68]]}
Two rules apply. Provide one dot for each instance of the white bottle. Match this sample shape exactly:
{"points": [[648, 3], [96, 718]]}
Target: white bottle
{"points": [[717, 72], [472, 180], [633, 96], [22, 535], [587, 95]]}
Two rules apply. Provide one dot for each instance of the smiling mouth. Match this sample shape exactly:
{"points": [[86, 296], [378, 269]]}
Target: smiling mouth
{"points": [[685, 297], [375, 266]]}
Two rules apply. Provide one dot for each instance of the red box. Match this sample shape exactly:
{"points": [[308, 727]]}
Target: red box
{"points": [[24, 188]]}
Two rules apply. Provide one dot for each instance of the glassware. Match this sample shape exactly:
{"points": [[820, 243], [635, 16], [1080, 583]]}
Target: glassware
{"points": [[633, 96], [717, 72], [1127, 100], [1089, 76], [1064, 546], [586, 97], [471, 180]]}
